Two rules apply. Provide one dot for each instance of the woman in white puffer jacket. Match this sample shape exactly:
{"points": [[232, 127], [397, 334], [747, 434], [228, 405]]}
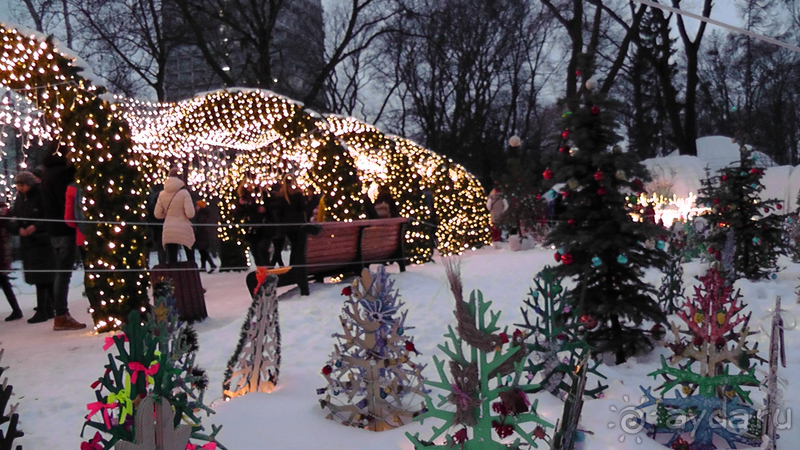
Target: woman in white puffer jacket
{"points": [[176, 207]]}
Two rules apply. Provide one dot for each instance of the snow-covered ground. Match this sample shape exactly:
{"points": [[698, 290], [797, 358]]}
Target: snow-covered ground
{"points": [[51, 371]]}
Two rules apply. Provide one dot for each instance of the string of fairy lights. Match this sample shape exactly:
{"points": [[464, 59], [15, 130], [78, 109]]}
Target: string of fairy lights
{"points": [[223, 141]]}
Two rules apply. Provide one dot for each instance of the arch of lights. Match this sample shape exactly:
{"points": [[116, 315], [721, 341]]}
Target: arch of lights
{"points": [[227, 138], [222, 139]]}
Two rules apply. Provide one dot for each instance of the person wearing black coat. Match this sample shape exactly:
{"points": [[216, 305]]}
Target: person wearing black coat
{"points": [[155, 226], [38, 257], [58, 174], [202, 235], [255, 213], [290, 208]]}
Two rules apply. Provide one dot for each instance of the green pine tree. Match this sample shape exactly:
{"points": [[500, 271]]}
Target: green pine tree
{"points": [[598, 242], [735, 205]]}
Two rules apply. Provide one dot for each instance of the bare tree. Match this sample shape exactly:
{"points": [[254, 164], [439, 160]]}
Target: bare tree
{"points": [[47, 16], [127, 37]]}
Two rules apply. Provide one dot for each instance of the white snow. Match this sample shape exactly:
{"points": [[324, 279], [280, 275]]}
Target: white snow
{"points": [[51, 371]]}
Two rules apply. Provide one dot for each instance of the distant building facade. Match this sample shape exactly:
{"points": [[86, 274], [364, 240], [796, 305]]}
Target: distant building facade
{"points": [[297, 56]]}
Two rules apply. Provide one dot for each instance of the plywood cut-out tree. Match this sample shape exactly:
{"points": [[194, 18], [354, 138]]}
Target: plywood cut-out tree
{"points": [[372, 382], [255, 365], [154, 428], [481, 409], [710, 395], [8, 414], [155, 357], [556, 345]]}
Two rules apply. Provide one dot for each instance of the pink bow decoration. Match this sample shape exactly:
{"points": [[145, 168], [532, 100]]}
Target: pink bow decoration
{"points": [[110, 341], [103, 408], [94, 444], [209, 446], [462, 397], [137, 367]]}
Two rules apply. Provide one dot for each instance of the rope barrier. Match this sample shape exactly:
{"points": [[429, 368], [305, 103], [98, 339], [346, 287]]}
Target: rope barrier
{"points": [[188, 269]]}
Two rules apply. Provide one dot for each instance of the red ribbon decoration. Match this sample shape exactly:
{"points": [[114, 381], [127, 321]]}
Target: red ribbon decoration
{"points": [[209, 446], [110, 341], [102, 407], [94, 444], [137, 367]]}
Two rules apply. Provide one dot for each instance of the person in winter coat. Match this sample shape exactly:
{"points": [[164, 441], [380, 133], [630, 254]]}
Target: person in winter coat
{"points": [[202, 235], [71, 219], [385, 206], [290, 209], [497, 204], [252, 211], [5, 266], [155, 226], [57, 176], [38, 257], [176, 207]]}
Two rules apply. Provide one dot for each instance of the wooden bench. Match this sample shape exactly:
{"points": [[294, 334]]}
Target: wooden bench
{"points": [[334, 248]]}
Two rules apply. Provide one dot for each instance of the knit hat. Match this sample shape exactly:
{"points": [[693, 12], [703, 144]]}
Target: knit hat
{"points": [[25, 177]]}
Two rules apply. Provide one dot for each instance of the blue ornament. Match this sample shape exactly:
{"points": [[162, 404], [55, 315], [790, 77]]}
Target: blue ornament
{"points": [[790, 220], [509, 379], [562, 250], [580, 436], [338, 364], [774, 276], [383, 394], [754, 186], [400, 331], [755, 240], [538, 310], [733, 108], [660, 245], [622, 259], [743, 173], [596, 261], [755, 157]]}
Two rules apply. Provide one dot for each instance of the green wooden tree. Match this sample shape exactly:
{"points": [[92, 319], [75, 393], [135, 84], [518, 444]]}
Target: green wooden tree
{"points": [[484, 403], [156, 358], [557, 345]]}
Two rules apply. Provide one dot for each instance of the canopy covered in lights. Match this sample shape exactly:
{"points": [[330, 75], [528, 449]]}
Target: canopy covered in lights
{"points": [[227, 138]]}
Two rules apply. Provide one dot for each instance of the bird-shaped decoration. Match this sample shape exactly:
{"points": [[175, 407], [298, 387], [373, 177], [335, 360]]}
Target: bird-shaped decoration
{"points": [[465, 314]]}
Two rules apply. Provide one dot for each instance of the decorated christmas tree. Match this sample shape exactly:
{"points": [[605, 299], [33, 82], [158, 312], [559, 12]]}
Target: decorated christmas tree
{"points": [[8, 414], [671, 292], [155, 358], [599, 245], [716, 370], [556, 346], [255, 365], [736, 206], [485, 405], [372, 382]]}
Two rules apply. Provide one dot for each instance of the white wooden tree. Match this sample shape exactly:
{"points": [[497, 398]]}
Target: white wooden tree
{"points": [[372, 382], [255, 365], [155, 431]]}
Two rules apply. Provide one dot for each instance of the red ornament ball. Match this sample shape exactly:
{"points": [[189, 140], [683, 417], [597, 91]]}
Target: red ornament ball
{"points": [[327, 370], [779, 206], [563, 149], [599, 175], [698, 341], [547, 174], [716, 201], [348, 290], [539, 433], [724, 177], [565, 193], [766, 209], [595, 110], [565, 134], [571, 222], [601, 191], [557, 257], [566, 258], [720, 342]]}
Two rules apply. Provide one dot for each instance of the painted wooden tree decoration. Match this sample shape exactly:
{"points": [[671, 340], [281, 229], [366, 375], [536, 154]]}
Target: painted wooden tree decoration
{"points": [[372, 382], [155, 357], [156, 431], [255, 365], [8, 414], [481, 409], [671, 292], [556, 346], [710, 396], [567, 429]]}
